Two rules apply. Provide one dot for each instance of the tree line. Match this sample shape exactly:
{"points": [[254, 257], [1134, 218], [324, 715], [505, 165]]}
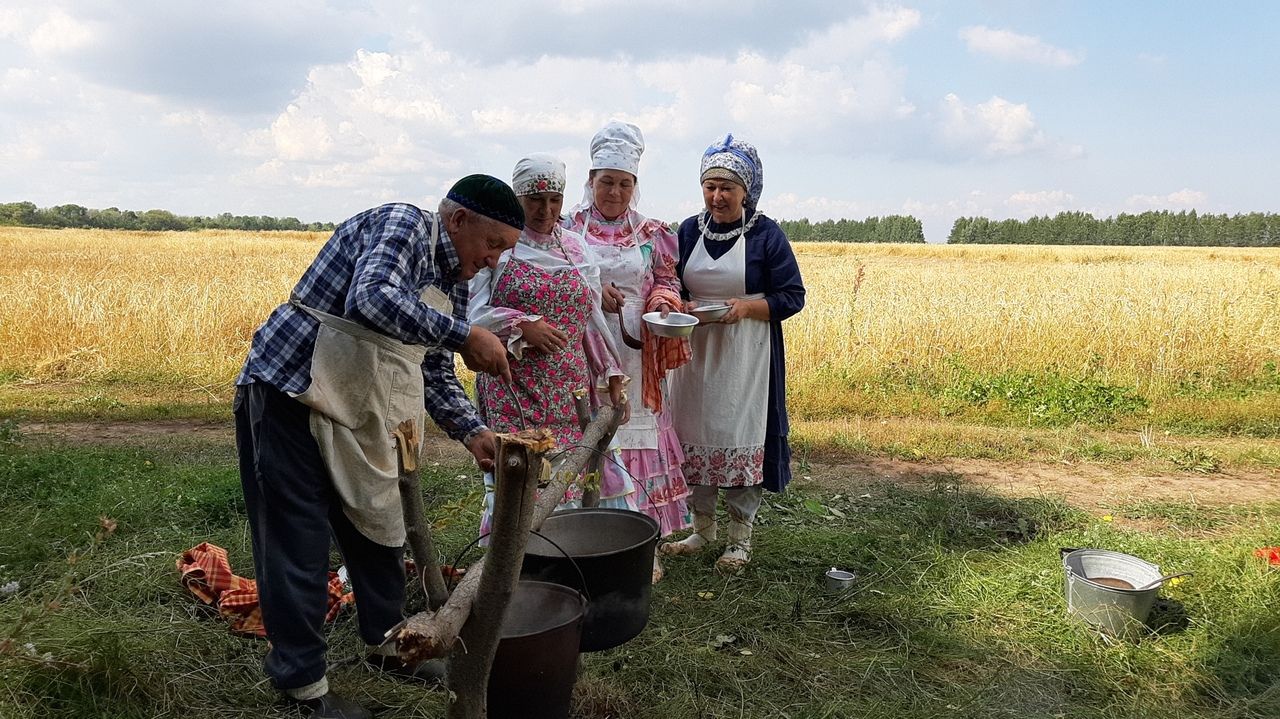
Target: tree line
{"points": [[26, 214], [1256, 229], [892, 228]]}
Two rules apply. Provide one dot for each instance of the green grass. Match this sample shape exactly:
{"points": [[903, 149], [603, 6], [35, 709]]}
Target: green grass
{"points": [[1201, 405], [112, 401], [1047, 416], [957, 610]]}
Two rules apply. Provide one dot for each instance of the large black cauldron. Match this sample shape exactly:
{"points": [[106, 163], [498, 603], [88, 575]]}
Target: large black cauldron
{"points": [[614, 549], [537, 660]]}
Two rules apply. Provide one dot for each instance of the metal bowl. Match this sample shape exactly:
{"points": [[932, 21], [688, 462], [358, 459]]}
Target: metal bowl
{"points": [[675, 324], [838, 580], [710, 313]]}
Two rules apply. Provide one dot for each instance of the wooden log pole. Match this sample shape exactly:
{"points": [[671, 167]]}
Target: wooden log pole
{"points": [[430, 635], [581, 405], [572, 463], [516, 472], [417, 530]]}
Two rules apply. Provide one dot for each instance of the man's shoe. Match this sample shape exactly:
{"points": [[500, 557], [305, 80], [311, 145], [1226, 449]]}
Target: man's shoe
{"points": [[332, 706], [429, 671]]}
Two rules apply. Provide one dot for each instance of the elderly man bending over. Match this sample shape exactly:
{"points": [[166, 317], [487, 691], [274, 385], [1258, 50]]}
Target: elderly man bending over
{"points": [[366, 341]]}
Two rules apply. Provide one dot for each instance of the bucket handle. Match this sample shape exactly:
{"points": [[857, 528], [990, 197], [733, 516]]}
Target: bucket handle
{"points": [[616, 463], [582, 577]]}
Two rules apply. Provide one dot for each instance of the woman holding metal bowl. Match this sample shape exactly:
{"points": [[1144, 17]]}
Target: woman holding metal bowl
{"points": [[729, 401], [637, 260]]}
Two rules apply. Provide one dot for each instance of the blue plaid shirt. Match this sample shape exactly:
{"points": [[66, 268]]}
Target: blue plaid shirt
{"points": [[373, 271]]}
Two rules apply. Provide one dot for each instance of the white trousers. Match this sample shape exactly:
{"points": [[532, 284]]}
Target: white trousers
{"points": [[742, 502]]}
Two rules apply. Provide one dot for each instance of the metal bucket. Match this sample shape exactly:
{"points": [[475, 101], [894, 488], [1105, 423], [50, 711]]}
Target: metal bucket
{"points": [[1118, 610], [613, 549], [536, 663]]}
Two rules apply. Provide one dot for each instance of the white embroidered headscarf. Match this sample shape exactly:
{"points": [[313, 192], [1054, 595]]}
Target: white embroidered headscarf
{"points": [[539, 172], [617, 146], [733, 159]]}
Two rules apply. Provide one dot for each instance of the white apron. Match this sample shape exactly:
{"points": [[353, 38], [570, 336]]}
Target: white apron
{"points": [[364, 384], [624, 267], [720, 399]]}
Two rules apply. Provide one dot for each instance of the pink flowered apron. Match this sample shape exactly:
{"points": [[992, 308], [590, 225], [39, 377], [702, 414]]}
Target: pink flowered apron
{"points": [[544, 383]]}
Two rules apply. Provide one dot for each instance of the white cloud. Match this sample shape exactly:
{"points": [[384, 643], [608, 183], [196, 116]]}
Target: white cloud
{"points": [[1183, 199], [643, 30], [995, 128], [19, 150], [1043, 202], [433, 104], [816, 208], [301, 137], [1012, 46], [395, 110], [21, 86], [856, 36], [15, 23], [60, 33]]}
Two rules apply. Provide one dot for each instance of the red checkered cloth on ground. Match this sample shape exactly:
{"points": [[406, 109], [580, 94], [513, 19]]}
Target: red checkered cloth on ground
{"points": [[660, 354], [1270, 554], [205, 571]]}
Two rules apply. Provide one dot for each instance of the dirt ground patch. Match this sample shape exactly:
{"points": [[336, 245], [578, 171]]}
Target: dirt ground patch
{"points": [[1089, 486], [437, 447]]}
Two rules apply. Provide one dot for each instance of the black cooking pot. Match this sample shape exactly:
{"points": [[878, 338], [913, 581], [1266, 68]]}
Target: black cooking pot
{"points": [[614, 549], [537, 660]]}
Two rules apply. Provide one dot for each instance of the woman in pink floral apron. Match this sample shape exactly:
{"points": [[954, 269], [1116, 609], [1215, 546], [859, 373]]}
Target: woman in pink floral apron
{"points": [[543, 300], [637, 259]]}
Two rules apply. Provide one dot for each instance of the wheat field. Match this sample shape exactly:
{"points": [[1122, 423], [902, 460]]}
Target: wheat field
{"points": [[1147, 317], [180, 308]]}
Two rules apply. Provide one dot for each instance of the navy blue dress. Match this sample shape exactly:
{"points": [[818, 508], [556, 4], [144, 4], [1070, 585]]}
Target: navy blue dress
{"points": [[771, 270]]}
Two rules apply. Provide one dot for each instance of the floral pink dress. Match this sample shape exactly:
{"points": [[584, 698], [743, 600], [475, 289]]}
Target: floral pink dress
{"points": [[548, 277], [637, 255]]}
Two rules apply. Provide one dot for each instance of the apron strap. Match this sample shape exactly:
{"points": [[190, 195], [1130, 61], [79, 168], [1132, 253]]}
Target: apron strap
{"points": [[355, 329]]}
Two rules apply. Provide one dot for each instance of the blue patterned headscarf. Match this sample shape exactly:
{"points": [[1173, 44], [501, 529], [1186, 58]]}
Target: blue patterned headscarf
{"points": [[739, 158]]}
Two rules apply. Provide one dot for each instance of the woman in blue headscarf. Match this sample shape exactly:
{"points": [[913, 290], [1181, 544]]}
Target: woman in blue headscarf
{"points": [[729, 402]]}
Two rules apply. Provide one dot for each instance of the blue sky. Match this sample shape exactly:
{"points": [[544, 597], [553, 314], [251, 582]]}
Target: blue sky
{"points": [[320, 109]]}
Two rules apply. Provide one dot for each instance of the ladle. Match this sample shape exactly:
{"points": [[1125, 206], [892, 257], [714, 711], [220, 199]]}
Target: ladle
{"points": [[627, 339]]}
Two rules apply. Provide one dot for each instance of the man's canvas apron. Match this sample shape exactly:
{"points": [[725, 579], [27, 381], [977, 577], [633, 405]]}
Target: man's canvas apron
{"points": [[364, 384]]}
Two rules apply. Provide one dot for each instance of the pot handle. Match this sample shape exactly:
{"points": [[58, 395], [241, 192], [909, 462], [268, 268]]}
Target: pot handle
{"points": [[458, 562]]}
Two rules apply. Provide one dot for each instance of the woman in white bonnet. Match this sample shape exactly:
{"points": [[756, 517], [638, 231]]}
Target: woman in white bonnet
{"points": [[543, 300], [637, 259]]}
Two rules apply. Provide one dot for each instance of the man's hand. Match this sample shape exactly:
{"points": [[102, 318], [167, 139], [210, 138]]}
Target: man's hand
{"points": [[543, 337], [611, 299], [484, 352], [484, 447]]}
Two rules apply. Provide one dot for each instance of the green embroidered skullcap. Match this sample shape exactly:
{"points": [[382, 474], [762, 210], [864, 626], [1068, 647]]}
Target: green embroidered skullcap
{"points": [[488, 196]]}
